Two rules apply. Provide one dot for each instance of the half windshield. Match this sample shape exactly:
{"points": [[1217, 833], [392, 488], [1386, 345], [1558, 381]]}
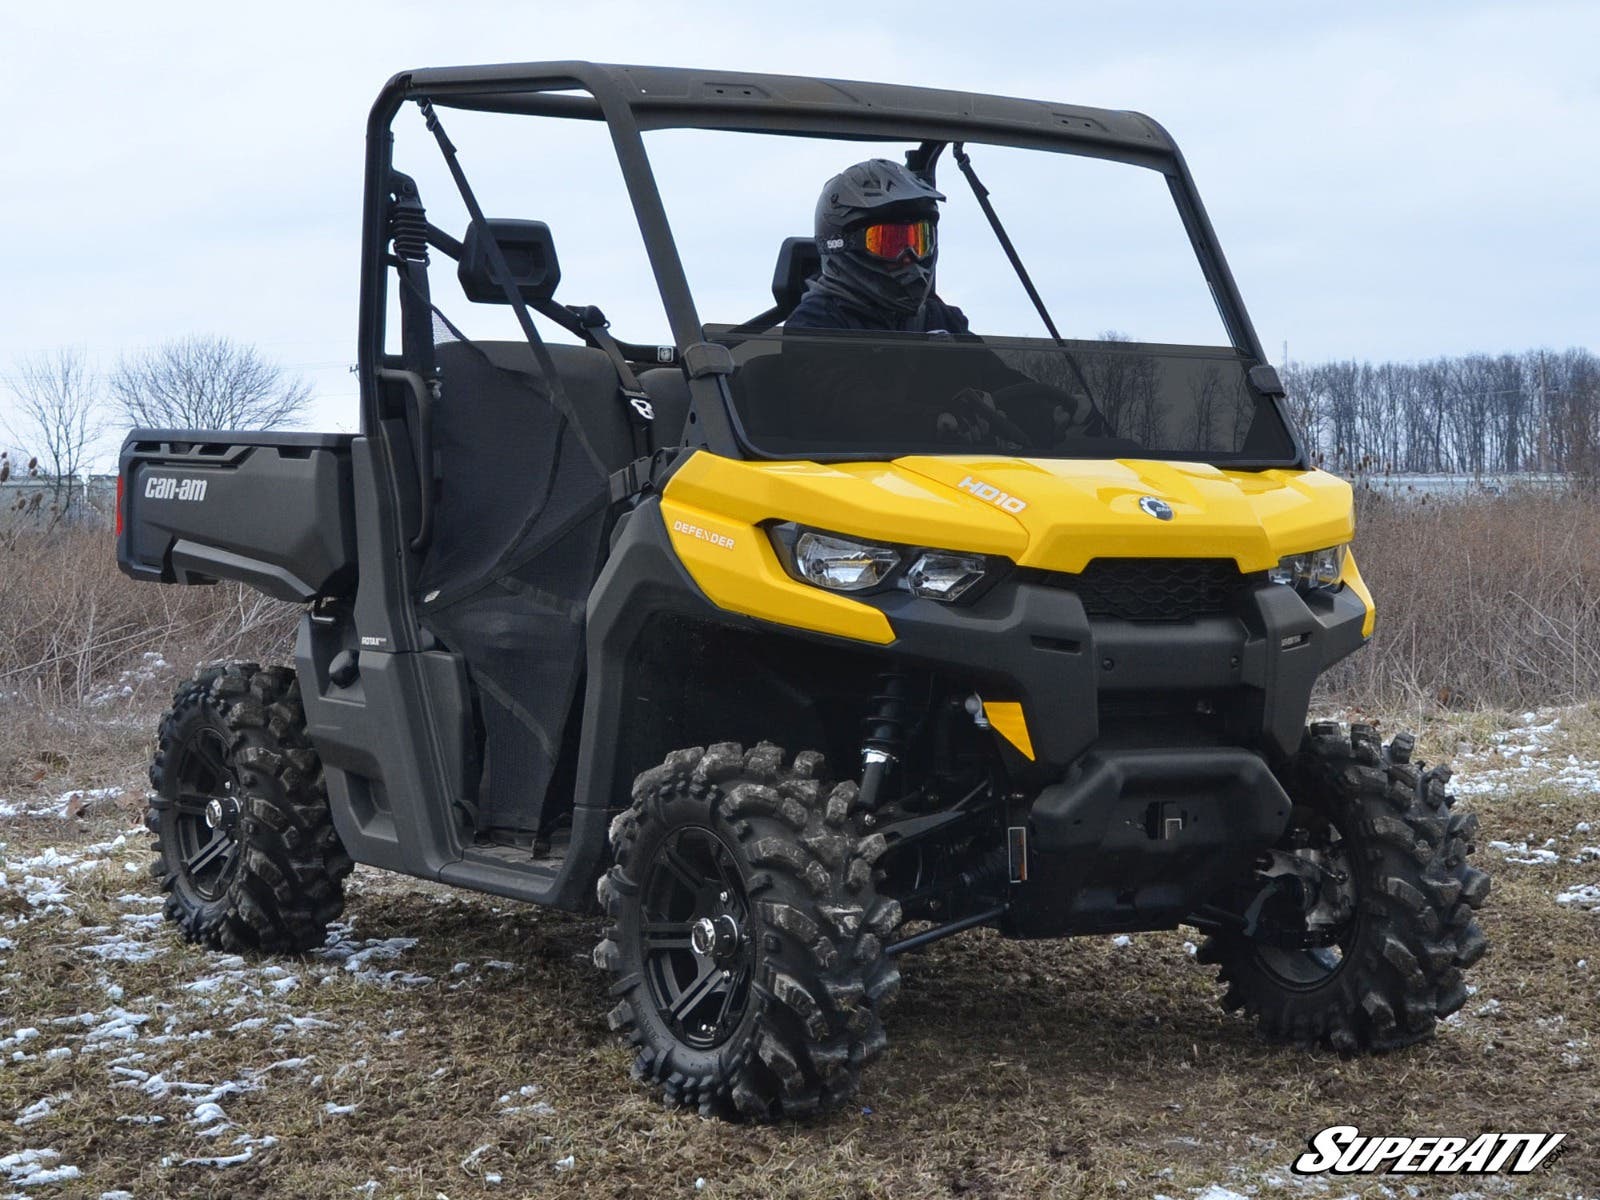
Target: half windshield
{"points": [[1120, 351], [881, 395]]}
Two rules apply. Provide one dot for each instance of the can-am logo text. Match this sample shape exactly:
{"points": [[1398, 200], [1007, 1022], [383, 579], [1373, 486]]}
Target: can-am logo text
{"points": [[987, 491], [169, 487], [1343, 1150]]}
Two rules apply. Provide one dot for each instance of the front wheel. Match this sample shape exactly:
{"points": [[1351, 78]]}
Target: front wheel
{"points": [[1359, 925], [745, 935]]}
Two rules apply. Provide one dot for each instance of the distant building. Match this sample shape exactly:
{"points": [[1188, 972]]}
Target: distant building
{"points": [[29, 500]]}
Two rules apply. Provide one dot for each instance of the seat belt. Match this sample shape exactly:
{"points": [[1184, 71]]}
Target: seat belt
{"points": [[641, 413]]}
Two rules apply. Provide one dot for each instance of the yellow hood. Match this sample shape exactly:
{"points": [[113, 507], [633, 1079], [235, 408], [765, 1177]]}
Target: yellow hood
{"points": [[1076, 510]]}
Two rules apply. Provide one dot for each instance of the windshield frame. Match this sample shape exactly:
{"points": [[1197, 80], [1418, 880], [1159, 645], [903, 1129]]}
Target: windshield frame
{"points": [[632, 99]]}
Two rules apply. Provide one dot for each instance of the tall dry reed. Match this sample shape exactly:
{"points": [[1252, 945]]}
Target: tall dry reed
{"points": [[1485, 601], [73, 628]]}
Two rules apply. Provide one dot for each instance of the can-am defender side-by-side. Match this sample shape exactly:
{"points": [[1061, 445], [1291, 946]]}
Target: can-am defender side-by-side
{"points": [[794, 649]]}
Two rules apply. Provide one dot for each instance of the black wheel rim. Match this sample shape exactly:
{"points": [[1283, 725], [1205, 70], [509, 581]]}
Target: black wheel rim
{"points": [[695, 937], [205, 812], [1312, 967]]}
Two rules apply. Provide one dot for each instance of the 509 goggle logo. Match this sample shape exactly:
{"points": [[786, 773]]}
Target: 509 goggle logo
{"points": [[1343, 1150]]}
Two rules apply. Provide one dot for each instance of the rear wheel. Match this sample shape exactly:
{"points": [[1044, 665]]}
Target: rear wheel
{"points": [[745, 935], [1363, 920], [245, 845]]}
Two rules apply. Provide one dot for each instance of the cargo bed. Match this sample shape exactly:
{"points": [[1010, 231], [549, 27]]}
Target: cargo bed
{"points": [[273, 510]]}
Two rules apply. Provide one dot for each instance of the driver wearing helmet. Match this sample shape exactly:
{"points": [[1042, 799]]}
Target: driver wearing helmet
{"points": [[876, 227]]}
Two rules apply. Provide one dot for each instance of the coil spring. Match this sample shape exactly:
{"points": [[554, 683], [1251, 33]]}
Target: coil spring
{"points": [[408, 228], [884, 730]]}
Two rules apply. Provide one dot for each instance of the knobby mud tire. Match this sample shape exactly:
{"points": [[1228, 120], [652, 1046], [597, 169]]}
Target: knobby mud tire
{"points": [[819, 978], [286, 884], [1416, 902]]}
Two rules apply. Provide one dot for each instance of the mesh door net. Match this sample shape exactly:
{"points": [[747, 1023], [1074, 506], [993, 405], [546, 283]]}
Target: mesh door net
{"points": [[519, 527]]}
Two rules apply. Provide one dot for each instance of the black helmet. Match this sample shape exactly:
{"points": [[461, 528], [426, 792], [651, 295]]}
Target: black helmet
{"points": [[873, 192]]}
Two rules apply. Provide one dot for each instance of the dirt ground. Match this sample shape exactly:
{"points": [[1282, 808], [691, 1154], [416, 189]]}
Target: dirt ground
{"points": [[450, 1045]]}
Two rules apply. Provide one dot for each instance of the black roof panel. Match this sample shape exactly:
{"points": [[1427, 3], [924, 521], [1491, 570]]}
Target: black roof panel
{"points": [[663, 97]]}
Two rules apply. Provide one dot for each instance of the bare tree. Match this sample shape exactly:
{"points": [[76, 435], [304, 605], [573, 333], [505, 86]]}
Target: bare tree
{"points": [[207, 383], [58, 422]]}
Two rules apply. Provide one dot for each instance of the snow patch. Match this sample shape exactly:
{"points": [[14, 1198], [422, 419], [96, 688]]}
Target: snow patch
{"points": [[34, 1168], [39, 1110], [1521, 854], [1585, 895]]}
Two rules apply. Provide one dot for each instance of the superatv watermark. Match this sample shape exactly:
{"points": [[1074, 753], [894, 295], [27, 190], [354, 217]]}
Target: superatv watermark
{"points": [[1344, 1150]]}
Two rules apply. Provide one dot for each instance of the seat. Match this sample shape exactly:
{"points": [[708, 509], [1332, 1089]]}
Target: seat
{"points": [[798, 260], [587, 376]]}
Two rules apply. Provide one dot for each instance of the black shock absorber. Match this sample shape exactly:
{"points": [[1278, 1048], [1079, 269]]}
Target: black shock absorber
{"points": [[884, 742]]}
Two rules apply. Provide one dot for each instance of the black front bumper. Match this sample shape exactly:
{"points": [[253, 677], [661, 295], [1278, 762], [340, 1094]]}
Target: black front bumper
{"points": [[1026, 641], [1139, 839], [1155, 741]]}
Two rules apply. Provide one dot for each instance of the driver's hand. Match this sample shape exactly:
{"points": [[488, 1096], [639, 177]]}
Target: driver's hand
{"points": [[1078, 417], [961, 427], [973, 420]]}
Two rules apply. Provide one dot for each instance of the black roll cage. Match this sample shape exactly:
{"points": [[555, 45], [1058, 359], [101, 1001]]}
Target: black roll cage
{"points": [[633, 99]]}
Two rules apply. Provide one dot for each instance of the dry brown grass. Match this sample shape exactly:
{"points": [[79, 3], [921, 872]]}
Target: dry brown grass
{"points": [[88, 656], [71, 623], [1483, 602]]}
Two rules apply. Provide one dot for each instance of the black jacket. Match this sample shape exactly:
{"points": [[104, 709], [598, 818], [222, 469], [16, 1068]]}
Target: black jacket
{"points": [[819, 309]]}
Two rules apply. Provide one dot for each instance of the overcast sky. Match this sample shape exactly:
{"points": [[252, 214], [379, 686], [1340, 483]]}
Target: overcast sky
{"points": [[1388, 180]]}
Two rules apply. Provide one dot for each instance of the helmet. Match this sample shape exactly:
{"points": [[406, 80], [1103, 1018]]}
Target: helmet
{"points": [[875, 190], [872, 192]]}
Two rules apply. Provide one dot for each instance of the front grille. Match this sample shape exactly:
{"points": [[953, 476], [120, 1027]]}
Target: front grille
{"points": [[1155, 589]]}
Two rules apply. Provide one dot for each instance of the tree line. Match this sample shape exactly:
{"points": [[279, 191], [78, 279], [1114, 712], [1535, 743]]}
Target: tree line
{"points": [[1474, 414], [62, 410]]}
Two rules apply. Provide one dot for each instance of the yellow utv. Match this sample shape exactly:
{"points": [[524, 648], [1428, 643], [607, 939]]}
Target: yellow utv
{"points": [[795, 642]]}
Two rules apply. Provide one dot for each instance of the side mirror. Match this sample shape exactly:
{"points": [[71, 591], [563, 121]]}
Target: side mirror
{"points": [[529, 251]]}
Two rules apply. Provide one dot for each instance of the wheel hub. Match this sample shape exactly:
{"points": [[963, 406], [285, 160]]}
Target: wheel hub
{"points": [[221, 812], [716, 938], [1305, 911], [1323, 885]]}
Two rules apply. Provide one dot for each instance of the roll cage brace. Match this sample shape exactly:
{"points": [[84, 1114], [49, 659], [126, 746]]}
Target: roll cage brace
{"points": [[633, 99]]}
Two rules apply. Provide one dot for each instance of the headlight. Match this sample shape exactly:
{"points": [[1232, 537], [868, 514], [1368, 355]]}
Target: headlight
{"points": [[1311, 571], [847, 564], [941, 576], [840, 564]]}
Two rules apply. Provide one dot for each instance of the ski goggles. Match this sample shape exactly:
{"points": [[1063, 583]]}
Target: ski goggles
{"points": [[889, 240]]}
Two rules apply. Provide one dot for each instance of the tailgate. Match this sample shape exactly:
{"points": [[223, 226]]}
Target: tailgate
{"points": [[273, 510]]}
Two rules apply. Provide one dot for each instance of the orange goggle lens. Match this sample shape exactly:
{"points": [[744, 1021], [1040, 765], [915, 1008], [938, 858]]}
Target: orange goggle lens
{"points": [[892, 240]]}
